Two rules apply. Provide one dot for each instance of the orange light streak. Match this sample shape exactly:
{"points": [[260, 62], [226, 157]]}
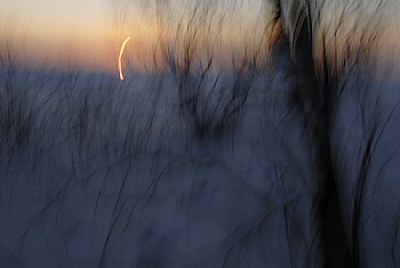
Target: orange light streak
{"points": [[121, 76]]}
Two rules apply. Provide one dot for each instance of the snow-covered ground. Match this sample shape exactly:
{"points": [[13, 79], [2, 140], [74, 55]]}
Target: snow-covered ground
{"points": [[97, 171], [138, 173]]}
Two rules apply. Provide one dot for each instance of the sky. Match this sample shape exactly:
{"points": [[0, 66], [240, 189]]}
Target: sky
{"points": [[57, 32], [88, 33]]}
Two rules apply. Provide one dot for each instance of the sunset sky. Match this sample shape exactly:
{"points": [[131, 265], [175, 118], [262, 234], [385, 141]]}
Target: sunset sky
{"points": [[88, 33], [57, 31]]}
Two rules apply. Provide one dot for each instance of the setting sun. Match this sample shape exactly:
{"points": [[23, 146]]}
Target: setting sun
{"points": [[121, 52]]}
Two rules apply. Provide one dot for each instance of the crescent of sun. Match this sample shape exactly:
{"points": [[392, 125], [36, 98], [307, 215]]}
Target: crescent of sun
{"points": [[121, 52]]}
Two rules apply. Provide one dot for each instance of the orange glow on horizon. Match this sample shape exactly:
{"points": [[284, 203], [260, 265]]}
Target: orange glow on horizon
{"points": [[121, 52]]}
